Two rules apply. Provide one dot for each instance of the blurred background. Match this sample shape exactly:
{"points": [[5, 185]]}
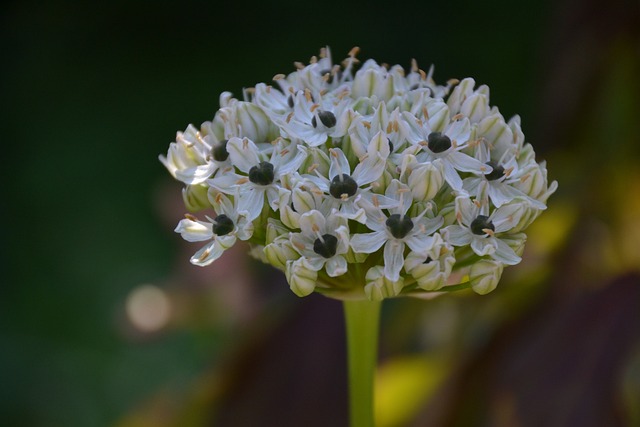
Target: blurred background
{"points": [[103, 321]]}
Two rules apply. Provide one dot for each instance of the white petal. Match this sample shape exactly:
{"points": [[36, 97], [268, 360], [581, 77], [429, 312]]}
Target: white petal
{"points": [[273, 197], [342, 233], [393, 259], [402, 194], [207, 254], [339, 163], [251, 201], [457, 235], [506, 217], [420, 243], [459, 131], [194, 231], [466, 163], [368, 242], [466, 210], [376, 219], [196, 175], [505, 254], [430, 225], [311, 223], [226, 183], [318, 181], [336, 266], [367, 198], [370, 169], [508, 193], [414, 132], [292, 164], [483, 245], [245, 228], [451, 176], [243, 153], [350, 210]]}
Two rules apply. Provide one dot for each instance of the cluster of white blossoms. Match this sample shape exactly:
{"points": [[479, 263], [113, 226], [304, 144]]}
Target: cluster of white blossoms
{"points": [[362, 184]]}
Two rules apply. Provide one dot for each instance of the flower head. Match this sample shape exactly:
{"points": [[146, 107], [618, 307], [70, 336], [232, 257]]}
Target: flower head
{"points": [[367, 182]]}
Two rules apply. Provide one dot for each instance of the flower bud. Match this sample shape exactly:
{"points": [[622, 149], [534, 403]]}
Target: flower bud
{"points": [[378, 287], [431, 274], [372, 81], [254, 123], [516, 242], [301, 277], [425, 181], [459, 94], [495, 132], [484, 275], [475, 107], [288, 214], [280, 251], [195, 197], [534, 183]]}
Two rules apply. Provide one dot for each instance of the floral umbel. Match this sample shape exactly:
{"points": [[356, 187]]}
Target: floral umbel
{"points": [[362, 180]]}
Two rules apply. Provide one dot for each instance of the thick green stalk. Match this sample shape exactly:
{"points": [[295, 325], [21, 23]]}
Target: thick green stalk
{"points": [[362, 321]]}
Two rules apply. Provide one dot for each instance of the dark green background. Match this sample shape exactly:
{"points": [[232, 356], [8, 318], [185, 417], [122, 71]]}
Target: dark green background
{"points": [[93, 93]]}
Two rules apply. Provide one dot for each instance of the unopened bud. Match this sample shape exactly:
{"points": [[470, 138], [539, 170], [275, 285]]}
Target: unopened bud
{"points": [[484, 275]]}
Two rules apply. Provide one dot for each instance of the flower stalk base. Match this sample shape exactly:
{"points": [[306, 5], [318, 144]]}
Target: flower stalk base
{"points": [[362, 323]]}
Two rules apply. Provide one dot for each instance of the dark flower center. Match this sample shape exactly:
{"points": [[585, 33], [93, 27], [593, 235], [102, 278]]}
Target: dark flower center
{"points": [[262, 174], [219, 151], [326, 117], [343, 184], [222, 225], [480, 224], [399, 225], [437, 142], [326, 245], [496, 173]]}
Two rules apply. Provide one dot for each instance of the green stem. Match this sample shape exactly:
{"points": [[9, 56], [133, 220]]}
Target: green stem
{"points": [[362, 320]]}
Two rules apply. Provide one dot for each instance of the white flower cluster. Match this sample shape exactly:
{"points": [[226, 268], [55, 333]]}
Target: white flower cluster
{"points": [[369, 183]]}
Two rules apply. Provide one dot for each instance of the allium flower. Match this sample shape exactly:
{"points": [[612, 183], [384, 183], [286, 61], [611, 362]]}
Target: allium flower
{"points": [[367, 182], [395, 230], [345, 190], [229, 225], [483, 232], [259, 174]]}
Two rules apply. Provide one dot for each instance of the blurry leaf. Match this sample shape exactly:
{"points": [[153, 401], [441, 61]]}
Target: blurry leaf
{"points": [[559, 366], [402, 384]]}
